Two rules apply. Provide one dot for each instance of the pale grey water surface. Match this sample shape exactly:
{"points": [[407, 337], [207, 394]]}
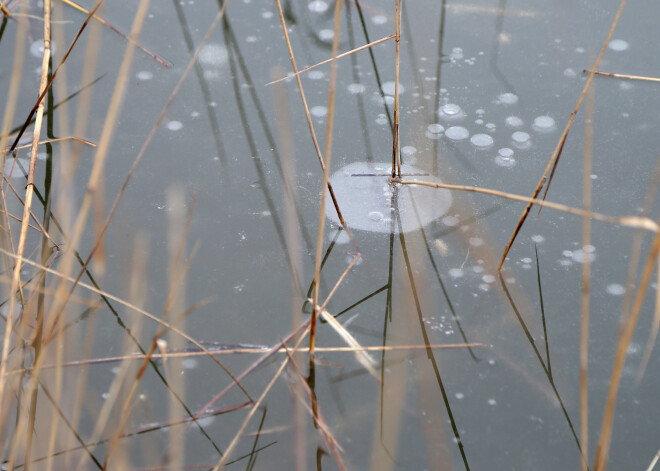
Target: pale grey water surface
{"points": [[486, 90]]}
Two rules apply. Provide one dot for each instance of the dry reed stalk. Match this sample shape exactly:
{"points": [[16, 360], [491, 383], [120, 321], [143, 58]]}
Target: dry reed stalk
{"points": [[625, 335], [326, 171], [316, 414], [293, 245], [385, 435], [127, 38], [248, 350], [165, 325], [178, 228], [230, 448], [98, 167], [360, 354], [339, 56], [147, 141], [396, 157], [654, 461], [554, 159], [625, 76], [59, 139], [4, 10], [16, 279], [127, 405], [587, 158], [52, 77], [627, 221], [310, 125], [10, 109]]}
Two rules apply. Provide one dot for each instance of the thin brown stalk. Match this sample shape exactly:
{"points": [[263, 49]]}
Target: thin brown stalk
{"points": [[326, 170], [146, 143], [362, 356], [339, 281], [301, 332], [251, 351], [627, 221], [59, 139], [127, 38], [292, 239], [587, 157], [246, 421], [50, 82], [179, 225], [602, 450], [123, 302], [20, 250], [654, 461], [396, 158], [307, 115], [339, 56], [10, 109], [98, 168], [128, 403], [316, 414], [554, 159], [624, 76], [4, 10], [39, 227]]}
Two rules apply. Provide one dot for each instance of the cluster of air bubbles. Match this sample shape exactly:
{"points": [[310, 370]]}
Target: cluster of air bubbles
{"points": [[379, 19], [317, 6], [481, 141], [570, 73], [389, 88], [189, 363], [37, 48], [451, 112], [450, 221], [513, 122], [408, 151], [543, 124], [456, 54], [507, 98], [440, 325], [326, 35], [583, 255], [615, 289], [174, 125], [457, 133], [521, 139], [381, 119], [17, 172], [618, 45], [213, 55], [319, 111], [356, 88], [505, 157], [144, 75], [266, 15], [537, 238], [315, 74], [456, 272], [434, 131]]}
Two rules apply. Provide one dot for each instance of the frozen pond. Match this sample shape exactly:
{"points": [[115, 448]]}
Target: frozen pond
{"points": [[213, 242]]}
